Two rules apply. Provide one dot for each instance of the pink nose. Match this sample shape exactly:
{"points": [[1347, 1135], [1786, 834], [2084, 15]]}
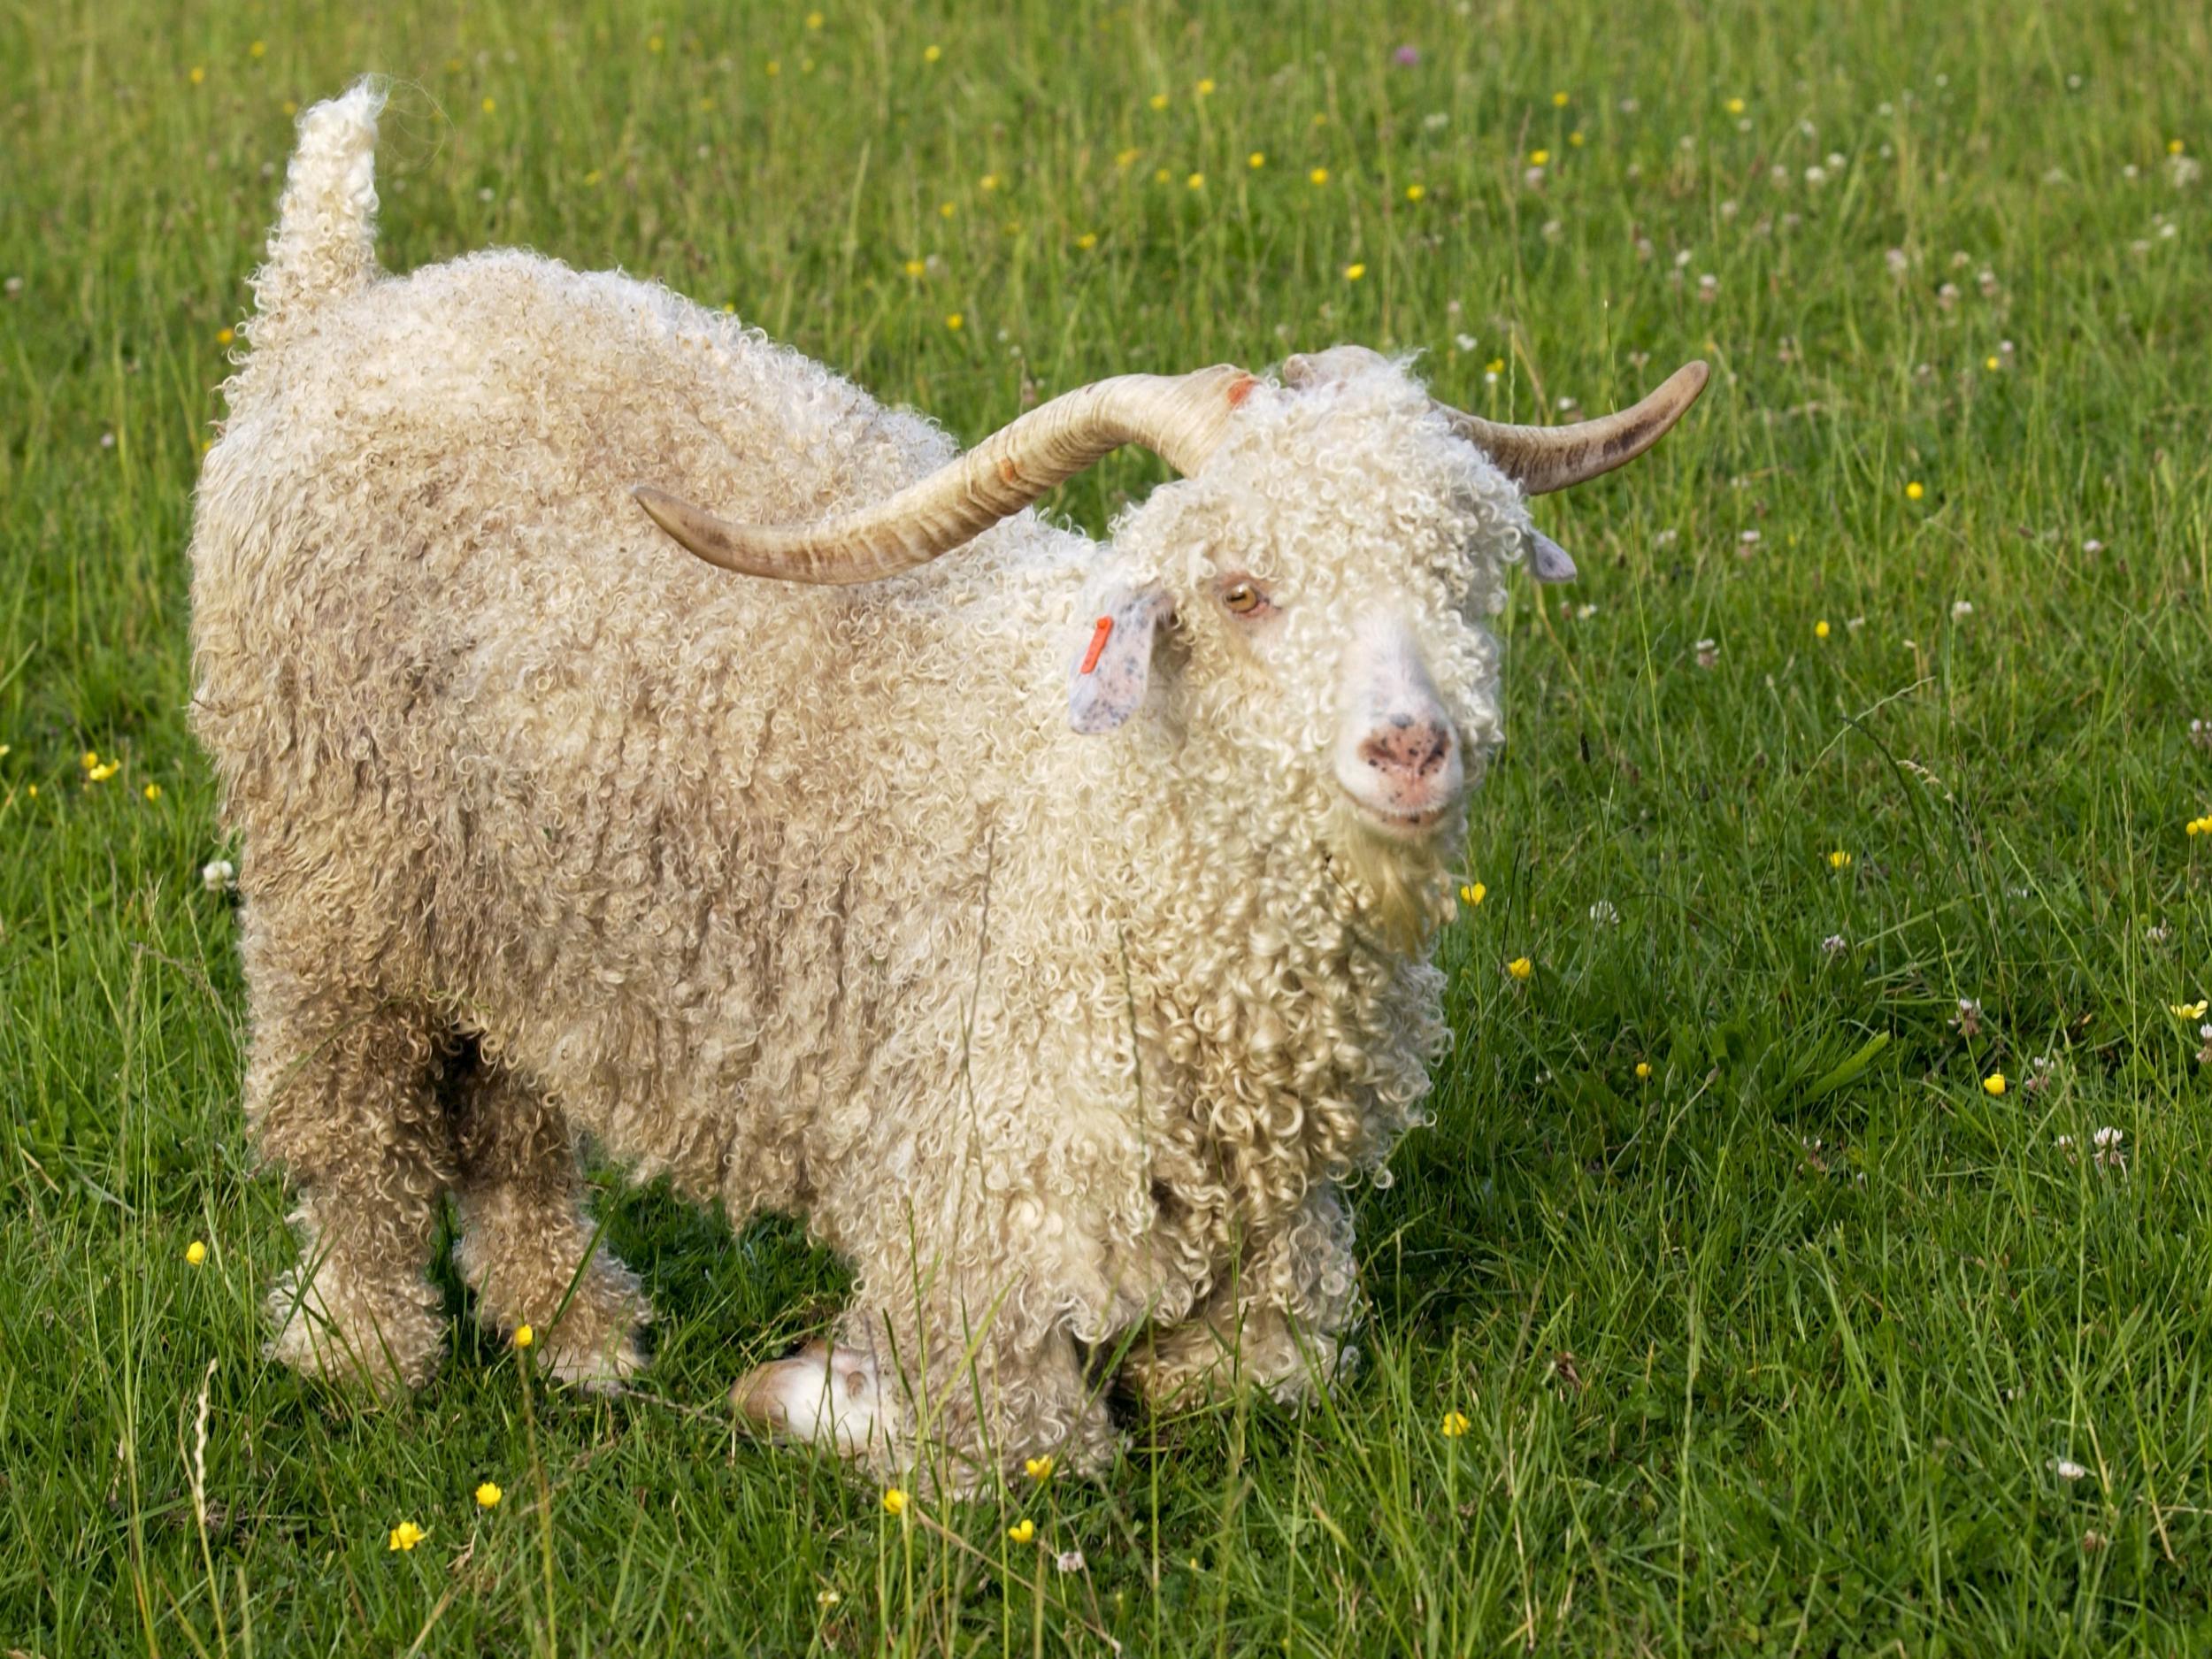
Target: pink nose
{"points": [[1411, 759]]}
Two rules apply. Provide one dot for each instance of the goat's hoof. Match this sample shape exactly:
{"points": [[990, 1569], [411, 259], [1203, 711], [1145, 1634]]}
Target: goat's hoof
{"points": [[820, 1396], [598, 1371]]}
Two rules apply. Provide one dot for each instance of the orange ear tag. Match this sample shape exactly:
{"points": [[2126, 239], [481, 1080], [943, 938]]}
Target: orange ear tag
{"points": [[1098, 645]]}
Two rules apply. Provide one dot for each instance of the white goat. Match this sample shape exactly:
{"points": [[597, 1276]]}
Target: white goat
{"points": [[1047, 925]]}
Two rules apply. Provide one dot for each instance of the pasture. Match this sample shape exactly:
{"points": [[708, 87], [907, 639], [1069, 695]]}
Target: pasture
{"points": [[1812, 1252]]}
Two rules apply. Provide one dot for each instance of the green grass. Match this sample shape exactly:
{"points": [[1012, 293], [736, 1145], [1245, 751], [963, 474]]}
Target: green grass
{"points": [[1772, 1351]]}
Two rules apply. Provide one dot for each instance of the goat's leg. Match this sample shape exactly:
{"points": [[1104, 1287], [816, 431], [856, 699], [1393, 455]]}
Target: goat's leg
{"points": [[946, 1371], [527, 1245], [1275, 1325], [339, 1092]]}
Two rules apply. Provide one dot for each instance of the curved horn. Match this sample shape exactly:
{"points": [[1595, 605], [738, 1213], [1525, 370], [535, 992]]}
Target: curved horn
{"points": [[1181, 418], [1541, 460]]}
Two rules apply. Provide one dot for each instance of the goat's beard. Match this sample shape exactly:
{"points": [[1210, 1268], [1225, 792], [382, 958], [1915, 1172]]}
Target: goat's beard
{"points": [[1403, 886]]}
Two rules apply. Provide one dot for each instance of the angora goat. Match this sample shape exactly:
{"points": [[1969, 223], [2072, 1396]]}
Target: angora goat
{"points": [[1046, 923]]}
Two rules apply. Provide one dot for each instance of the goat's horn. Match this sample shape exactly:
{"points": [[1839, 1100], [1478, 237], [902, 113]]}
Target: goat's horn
{"points": [[1180, 418], [1545, 458]]}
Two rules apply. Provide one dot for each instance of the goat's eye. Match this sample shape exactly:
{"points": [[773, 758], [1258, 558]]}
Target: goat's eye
{"points": [[1242, 596]]}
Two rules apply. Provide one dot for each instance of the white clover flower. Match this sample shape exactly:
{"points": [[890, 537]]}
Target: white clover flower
{"points": [[2067, 1469], [219, 876], [1834, 945], [1069, 1561], [1961, 609], [1604, 915]]}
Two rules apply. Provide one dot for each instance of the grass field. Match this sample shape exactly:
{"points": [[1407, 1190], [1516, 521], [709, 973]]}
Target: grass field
{"points": [[1874, 700]]}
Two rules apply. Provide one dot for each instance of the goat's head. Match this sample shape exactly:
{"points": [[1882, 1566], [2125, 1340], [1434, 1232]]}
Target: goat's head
{"points": [[1321, 569]]}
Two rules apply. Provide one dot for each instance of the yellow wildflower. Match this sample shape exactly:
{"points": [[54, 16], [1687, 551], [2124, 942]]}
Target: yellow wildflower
{"points": [[195, 1252], [153, 792], [775, 67], [224, 336], [1206, 88], [1538, 158], [814, 20], [1454, 1425], [406, 1535], [290, 106], [894, 1501], [1353, 271], [932, 52], [953, 320], [488, 1494], [1196, 181], [1559, 100], [260, 49], [88, 759], [1088, 240], [104, 771], [489, 105], [2188, 1011], [2174, 147], [945, 210], [1820, 629], [525, 1336], [1496, 366], [1022, 1531], [654, 43], [1126, 158], [1993, 1084], [1839, 859], [1319, 175], [990, 181], [915, 268], [1735, 107], [1473, 892], [1643, 1070], [1913, 491], [1159, 100], [1520, 967], [1414, 192], [1038, 1468], [198, 75], [1256, 160], [1574, 139]]}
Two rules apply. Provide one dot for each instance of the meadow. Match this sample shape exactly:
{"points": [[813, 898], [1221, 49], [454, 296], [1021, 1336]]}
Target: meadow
{"points": [[1811, 1254]]}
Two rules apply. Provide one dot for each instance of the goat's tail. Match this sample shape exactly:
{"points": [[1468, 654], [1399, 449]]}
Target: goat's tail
{"points": [[324, 245]]}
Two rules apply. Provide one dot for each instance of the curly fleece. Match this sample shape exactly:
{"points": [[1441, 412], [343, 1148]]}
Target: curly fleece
{"points": [[808, 899]]}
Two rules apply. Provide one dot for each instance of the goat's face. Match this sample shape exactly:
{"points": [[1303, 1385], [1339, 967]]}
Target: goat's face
{"points": [[1310, 593], [1313, 596]]}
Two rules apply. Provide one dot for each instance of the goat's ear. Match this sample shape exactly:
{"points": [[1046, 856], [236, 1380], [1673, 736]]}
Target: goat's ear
{"points": [[1113, 664], [1547, 561]]}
